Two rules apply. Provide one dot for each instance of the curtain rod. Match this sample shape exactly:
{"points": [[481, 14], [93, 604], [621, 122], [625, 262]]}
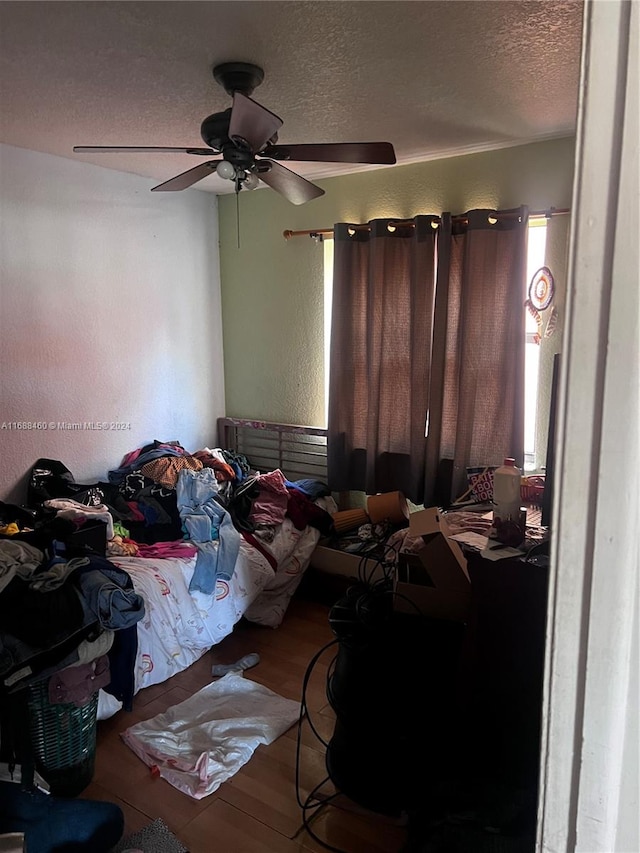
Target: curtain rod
{"points": [[536, 214]]}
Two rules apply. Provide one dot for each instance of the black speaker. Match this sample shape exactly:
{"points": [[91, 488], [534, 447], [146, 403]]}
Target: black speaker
{"points": [[392, 690]]}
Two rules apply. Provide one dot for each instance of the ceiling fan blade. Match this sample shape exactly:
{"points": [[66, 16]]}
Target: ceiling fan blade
{"points": [[293, 187], [133, 149], [335, 152], [188, 178], [251, 122]]}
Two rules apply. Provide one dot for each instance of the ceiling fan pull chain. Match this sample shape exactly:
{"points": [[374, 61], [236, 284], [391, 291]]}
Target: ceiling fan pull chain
{"points": [[238, 210]]}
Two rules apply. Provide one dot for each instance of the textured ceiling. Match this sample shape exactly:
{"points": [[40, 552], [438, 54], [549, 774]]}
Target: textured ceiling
{"points": [[434, 77]]}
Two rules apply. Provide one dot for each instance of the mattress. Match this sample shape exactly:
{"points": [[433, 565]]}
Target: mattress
{"points": [[180, 626]]}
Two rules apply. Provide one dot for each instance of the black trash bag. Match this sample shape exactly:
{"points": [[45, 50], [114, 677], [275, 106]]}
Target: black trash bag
{"points": [[15, 514], [51, 479]]}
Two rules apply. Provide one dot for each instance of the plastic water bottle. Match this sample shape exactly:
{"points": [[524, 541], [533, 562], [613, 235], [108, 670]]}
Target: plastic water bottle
{"points": [[506, 491]]}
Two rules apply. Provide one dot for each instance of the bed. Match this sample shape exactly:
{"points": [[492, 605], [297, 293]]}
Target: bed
{"points": [[200, 538], [180, 626]]}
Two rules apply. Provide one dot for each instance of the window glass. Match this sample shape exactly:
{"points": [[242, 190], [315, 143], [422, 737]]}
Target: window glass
{"points": [[328, 294], [536, 245]]}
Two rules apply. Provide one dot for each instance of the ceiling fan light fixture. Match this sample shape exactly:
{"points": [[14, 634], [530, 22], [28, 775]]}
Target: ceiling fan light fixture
{"points": [[226, 170], [251, 181]]}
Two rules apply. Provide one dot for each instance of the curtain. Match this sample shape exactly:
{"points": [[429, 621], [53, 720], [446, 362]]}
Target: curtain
{"points": [[476, 411], [380, 353]]}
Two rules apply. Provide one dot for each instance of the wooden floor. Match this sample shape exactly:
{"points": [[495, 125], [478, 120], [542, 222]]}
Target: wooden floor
{"points": [[256, 811]]}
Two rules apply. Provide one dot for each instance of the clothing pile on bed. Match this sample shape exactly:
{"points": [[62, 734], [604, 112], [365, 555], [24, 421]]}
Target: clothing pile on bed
{"points": [[164, 501], [192, 510]]}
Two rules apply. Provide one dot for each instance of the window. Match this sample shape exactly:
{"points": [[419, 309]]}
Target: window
{"points": [[537, 239], [328, 294]]}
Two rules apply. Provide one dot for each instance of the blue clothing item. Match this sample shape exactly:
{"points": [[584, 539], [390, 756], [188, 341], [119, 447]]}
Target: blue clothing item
{"points": [[122, 663], [201, 515], [118, 474], [198, 526], [108, 591], [52, 824], [312, 488], [240, 475]]}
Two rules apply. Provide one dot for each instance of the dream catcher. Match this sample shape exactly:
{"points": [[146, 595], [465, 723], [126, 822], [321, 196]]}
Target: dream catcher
{"points": [[541, 293]]}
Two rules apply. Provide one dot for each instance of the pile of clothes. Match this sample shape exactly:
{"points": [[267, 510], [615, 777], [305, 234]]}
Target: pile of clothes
{"points": [[72, 617], [165, 501]]}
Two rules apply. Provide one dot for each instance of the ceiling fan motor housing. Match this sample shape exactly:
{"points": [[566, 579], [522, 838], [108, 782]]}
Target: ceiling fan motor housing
{"points": [[214, 130], [242, 158], [241, 77]]}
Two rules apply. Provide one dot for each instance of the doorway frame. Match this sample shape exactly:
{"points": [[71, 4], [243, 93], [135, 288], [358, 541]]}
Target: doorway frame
{"points": [[588, 797]]}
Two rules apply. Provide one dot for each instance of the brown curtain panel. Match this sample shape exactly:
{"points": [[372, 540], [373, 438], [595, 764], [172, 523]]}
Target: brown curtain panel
{"points": [[476, 406], [383, 299]]}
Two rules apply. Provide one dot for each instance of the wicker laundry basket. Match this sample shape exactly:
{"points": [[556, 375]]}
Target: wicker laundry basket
{"points": [[63, 740]]}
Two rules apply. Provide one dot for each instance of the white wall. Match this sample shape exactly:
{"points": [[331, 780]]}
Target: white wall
{"points": [[109, 312]]}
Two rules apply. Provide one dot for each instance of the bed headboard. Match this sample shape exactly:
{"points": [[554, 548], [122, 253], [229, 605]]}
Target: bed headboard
{"points": [[298, 451]]}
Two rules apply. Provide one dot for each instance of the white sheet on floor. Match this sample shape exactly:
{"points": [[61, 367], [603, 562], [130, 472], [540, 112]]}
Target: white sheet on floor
{"points": [[179, 627], [200, 743]]}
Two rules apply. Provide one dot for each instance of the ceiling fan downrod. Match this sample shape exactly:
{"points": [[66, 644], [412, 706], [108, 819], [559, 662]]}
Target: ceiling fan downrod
{"points": [[241, 77]]}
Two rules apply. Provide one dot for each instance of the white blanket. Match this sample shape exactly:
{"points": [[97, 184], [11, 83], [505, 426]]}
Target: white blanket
{"points": [[200, 743]]}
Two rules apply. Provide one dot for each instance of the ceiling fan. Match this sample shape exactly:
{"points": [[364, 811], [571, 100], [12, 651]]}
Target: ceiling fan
{"points": [[246, 137]]}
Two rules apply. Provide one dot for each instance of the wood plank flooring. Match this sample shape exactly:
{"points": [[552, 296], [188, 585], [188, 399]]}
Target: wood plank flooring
{"points": [[256, 811]]}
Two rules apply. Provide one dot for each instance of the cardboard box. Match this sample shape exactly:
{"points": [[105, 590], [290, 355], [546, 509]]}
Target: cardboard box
{"points": [[433, 581], [333, 561]]}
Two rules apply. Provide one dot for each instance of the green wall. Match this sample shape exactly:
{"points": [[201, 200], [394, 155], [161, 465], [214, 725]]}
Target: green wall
{"points": [[272, 288]]}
